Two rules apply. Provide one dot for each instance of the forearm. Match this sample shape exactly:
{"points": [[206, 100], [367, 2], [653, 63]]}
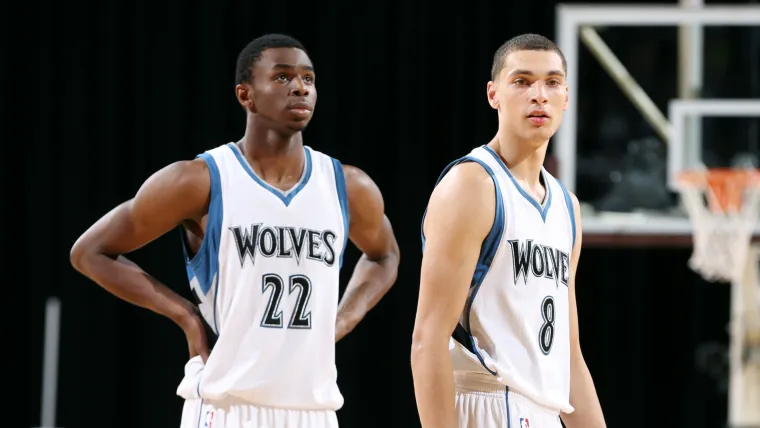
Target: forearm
{"points": [[369, 283], [124, 279], [583, 398], [433, 385]]}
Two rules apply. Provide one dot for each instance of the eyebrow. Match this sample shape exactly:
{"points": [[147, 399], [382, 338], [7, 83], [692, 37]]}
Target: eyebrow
{"points": [[293, 67], [530, 73]]}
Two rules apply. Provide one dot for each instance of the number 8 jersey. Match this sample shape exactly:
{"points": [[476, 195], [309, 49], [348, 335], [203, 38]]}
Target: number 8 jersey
{"points": [[267, 279], [516, 320]]}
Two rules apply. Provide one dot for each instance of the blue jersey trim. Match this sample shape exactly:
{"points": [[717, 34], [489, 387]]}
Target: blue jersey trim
{"points": [[541, 211], [285, 197], [204, 265], [340, 187], [506, 399], [569, 203]]}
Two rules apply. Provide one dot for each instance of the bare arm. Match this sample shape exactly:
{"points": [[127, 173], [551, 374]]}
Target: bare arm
{"points": [[459, 215], [371, 232], [583, 398], [170, 196]]}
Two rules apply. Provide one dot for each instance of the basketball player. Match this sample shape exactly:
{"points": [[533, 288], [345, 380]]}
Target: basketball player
{"points": [[496, 335], [265, 223]]}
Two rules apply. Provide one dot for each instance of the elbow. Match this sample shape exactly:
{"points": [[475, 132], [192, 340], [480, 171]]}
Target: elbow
{"points": [[79, 256], [394, 258], [389, 263], [393, 272], [416, 352], [576, 355], [424, 345]]}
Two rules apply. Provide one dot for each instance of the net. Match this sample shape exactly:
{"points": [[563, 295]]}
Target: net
{"points": [[723, 205]]}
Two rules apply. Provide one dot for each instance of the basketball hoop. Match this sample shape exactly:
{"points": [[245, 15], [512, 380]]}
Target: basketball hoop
{"points": [[723, 205]]}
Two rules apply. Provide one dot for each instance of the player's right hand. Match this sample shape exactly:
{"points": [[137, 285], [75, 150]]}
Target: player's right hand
{"points": [[195, 333]]}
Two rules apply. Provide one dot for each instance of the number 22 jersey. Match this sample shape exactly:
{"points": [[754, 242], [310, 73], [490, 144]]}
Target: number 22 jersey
{"points": [[267, 278]]}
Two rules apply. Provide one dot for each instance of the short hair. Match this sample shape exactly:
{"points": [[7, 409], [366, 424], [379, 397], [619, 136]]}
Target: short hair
{"points": [[251, 54], [524, 42]]}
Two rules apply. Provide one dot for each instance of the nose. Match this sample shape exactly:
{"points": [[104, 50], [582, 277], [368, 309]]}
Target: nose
{"points": [[298, 89], [538, 94]]}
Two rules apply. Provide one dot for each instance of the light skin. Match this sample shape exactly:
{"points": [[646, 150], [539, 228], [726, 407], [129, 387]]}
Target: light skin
{"points": [[279, 102], [454, 232]]}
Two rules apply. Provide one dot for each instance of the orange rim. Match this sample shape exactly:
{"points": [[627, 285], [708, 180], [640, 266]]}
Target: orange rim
{"points": [[726, 185]]}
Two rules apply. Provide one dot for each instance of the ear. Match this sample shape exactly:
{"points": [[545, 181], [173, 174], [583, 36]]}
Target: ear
{"points": [[491, 89], [244, 94], [567, 98]]}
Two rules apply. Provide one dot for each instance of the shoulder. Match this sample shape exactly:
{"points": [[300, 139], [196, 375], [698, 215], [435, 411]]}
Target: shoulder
{"points": [[187, 175], [356, 177], [462, 202], [362, 191], [465, 182], [467, 171], [180, 190], [186, 182], [575, 217], [572, 200]]}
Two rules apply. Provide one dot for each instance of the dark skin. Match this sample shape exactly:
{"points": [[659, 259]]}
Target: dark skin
{"points": [[279, 103]]}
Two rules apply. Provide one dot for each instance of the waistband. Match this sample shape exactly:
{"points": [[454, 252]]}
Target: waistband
{"points": [[483, 384]]}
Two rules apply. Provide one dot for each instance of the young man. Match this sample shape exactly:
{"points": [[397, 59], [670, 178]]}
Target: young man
{"points": [[496, 336], [265, 223]]}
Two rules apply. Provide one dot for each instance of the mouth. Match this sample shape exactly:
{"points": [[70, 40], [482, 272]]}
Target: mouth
{"points": [[300, 109], [538, 117], [539, 113], [300, 105]]}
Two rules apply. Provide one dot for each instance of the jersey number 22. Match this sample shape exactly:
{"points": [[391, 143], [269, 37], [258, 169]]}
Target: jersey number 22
{"points": [[299, 318]]}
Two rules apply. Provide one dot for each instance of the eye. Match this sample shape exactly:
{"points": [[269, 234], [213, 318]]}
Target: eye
{"points": [[308, 79], [281, 77], [519, 82], [553, 82]]}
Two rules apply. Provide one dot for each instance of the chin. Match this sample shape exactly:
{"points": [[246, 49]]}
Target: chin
{"points": [[297, 126], [536, 137]]}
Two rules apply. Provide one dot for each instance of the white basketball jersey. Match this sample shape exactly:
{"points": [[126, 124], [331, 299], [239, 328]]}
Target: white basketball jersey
{"points": [[267, 277], [516, 321]]}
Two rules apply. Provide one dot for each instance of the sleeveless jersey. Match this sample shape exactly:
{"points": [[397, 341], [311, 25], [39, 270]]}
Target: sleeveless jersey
{"points": [[516, 321], [267, 278]]}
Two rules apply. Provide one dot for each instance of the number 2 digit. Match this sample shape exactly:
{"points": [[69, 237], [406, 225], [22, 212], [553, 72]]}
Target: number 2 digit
{"points": [[272, 318]]}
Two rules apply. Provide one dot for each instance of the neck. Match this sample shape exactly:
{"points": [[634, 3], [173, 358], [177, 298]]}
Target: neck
{"points": [[272, 153], [523, 158]]}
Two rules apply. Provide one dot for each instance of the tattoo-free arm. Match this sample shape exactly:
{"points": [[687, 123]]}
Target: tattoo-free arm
{"points": [[371, 232], [459, 216], [175, 193]]}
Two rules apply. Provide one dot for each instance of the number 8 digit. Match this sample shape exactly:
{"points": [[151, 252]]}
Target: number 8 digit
{"points": [[546, 333]]}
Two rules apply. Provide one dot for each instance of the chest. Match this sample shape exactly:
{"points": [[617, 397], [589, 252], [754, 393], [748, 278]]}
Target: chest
{"points": [[537, 242]]}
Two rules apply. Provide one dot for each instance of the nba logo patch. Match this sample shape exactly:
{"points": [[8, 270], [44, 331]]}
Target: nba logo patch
{"points": [[524, 423], [209, 420]]}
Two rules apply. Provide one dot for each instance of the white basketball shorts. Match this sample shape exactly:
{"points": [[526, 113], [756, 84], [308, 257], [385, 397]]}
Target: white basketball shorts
{"points": [[233, 412], [483, 404], [198, 413]]}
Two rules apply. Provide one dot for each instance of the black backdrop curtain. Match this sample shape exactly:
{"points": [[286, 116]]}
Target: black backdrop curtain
{"points": [[120, 89]]}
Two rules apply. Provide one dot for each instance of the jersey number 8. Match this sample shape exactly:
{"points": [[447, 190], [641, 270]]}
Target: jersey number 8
{"points": [[299, 319], [546, 332]]}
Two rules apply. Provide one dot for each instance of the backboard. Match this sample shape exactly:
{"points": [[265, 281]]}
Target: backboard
{"points": [[621, 163]]}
